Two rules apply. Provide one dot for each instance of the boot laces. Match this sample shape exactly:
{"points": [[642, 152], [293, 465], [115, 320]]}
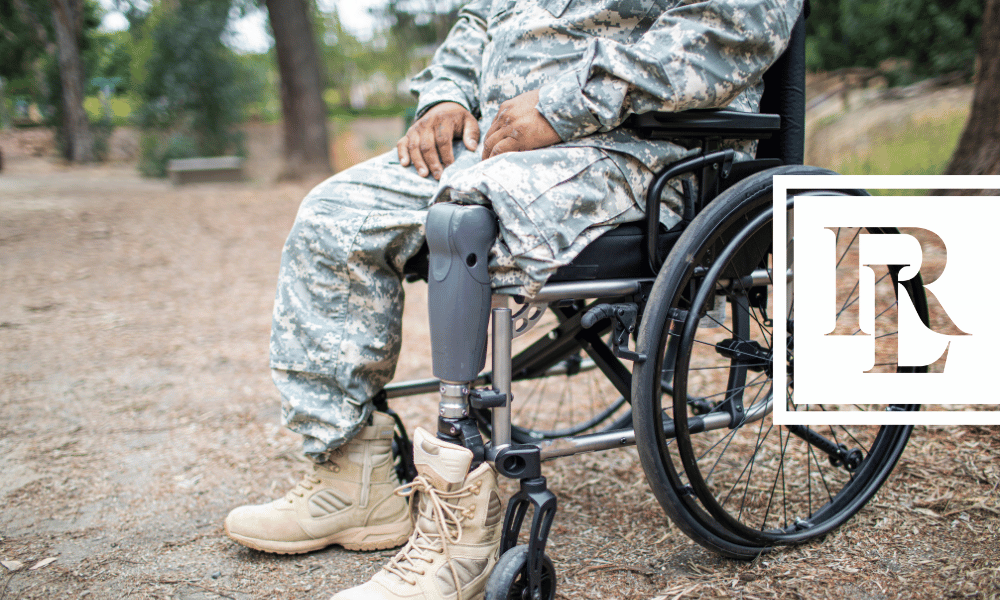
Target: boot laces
{"points": [[311, 479], [448, 517]]}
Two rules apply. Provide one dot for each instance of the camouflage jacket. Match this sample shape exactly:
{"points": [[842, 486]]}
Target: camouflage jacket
{"points": [[596, 62]]}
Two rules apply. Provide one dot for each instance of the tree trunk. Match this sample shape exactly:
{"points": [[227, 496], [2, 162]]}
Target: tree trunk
{"points": [[307, 147], [66, 18], [978, 151], [33, 21], [4, 117]]}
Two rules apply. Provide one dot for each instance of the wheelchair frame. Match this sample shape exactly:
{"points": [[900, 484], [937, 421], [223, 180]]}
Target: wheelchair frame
{"points": [[616, 307]]}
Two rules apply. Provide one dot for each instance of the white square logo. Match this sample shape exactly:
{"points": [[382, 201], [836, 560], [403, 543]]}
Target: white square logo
{"points": [[852, 327]]}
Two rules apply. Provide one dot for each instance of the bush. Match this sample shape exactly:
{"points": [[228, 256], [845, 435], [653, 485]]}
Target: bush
{"points": [[157, 150], [121, 109], [101, 131], [193, 89], [927, 37]]}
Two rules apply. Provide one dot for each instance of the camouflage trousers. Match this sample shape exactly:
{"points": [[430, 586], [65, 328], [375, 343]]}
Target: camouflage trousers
{"points": [[337, 322]]}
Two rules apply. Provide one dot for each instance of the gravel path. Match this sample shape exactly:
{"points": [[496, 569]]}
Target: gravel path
{"points": [[136, 409]]}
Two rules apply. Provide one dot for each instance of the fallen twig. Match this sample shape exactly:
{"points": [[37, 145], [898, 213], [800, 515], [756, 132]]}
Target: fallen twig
{"points": [[197, 585], [634, 569], [6, 585]]}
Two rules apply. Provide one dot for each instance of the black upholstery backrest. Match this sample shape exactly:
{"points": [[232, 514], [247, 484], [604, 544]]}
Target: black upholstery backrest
{"points": [[785, 95]]}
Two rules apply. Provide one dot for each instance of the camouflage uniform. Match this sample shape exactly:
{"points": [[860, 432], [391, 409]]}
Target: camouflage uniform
{"points": [[337, 318]]}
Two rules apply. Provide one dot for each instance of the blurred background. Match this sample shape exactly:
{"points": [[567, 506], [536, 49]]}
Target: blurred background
{"points": [[136, 403], [890, 84]]}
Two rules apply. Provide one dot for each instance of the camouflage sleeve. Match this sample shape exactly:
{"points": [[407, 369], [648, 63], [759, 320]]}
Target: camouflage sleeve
{"points": [[699, 55], [453, 75]]}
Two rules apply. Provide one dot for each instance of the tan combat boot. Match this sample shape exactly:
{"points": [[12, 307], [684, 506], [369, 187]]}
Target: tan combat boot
{"points": [[348, 500], [456, 541]]}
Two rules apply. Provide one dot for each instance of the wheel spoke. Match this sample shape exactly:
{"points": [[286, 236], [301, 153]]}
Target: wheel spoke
{"points": [[751, 485]]}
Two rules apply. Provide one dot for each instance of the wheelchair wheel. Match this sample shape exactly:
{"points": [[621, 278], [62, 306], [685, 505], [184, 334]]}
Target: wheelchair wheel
{"points": [[740, 490], [509, 579]]}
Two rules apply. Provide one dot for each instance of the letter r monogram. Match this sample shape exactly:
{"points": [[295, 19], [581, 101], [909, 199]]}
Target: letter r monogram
{"points": [[902, 255]]}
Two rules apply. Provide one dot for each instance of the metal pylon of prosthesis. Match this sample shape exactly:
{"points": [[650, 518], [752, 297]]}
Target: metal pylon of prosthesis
{"points": [[515, 461]]}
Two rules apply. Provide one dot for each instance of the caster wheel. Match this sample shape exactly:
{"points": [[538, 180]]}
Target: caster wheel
{"points": [[509, 580]]}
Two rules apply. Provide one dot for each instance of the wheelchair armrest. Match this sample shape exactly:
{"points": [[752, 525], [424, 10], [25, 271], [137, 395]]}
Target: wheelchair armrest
{"points": [[727, 124]]}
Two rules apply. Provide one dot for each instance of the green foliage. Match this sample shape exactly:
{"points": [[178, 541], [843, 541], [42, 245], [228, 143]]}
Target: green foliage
{"points": [[27, 42], [193, 89], [156, 151], [101, 131], [53, 109], [342, 113], [416, 23], [926, 37], [344, 57], [265, 103], [111, 62], [19, 43], [407, 33], [120, 106]]}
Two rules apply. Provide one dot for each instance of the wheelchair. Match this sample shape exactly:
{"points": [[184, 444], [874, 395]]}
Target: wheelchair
{"points": [[676, 326]]}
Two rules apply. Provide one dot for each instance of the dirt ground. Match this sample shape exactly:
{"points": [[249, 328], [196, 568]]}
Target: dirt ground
{"points": [[136, 410]]}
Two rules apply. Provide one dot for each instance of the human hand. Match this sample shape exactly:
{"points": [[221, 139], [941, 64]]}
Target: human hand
{"points": [[427, 143], [519, 126]]}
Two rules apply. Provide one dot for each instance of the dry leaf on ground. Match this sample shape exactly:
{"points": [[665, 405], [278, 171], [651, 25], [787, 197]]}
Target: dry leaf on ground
{"points": [[12, 565], [43, 563]]}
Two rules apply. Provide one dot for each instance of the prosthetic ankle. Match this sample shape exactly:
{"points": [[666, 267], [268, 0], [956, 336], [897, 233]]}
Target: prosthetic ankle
{"points": [[459, 238]]}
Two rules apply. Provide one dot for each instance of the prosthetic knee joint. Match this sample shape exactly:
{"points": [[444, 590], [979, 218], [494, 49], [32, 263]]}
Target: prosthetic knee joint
{"points": [[459, 238]]}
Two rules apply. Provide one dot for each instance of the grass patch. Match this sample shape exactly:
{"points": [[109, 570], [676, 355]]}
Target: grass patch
{"points": [[121, 109], [910, 148], [374, 111]]}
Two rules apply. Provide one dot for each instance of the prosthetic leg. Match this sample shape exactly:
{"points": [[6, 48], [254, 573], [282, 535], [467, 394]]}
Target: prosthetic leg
{"points": [[459, 238], [459, 297]]}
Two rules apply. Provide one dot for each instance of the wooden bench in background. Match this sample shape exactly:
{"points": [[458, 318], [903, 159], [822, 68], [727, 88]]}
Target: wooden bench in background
{"points": [[205, 170]]}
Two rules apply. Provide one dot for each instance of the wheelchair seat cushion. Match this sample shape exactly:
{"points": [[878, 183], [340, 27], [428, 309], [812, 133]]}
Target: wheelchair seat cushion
{"points": [[618, 254]]}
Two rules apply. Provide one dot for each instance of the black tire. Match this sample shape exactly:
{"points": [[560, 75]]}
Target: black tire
{"points": [[691, 482], [509, 579], [730, 470]]}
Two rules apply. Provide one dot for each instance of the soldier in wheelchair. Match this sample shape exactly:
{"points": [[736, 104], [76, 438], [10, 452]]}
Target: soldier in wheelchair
{"points": [[551, 163]]}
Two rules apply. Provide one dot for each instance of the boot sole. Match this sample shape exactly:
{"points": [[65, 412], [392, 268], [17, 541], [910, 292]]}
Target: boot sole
{"points": [[379, 537]]}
